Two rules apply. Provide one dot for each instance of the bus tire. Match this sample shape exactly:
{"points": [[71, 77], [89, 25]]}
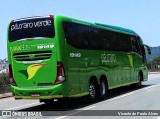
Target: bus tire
{"points": [[103, 89], [92, 91], [140, 79]]}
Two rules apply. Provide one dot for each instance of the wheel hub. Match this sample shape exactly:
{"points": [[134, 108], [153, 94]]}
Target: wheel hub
{"points": [[92, 91]]}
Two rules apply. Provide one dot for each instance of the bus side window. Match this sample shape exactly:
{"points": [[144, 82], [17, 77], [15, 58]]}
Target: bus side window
{"points": [[135, 46], [142, 49]]}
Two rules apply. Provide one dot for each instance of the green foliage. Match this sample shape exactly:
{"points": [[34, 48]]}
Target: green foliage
{"points": [[155, 52], [157, 59]]}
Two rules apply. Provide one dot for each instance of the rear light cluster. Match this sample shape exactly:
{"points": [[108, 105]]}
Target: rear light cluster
{"points": [[11, 76], [51, 16], [60, 73]]}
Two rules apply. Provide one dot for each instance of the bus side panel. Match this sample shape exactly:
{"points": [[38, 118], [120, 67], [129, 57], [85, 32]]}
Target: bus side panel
{"points": [[113, 65], [137, 64], [76, 70], [145, 73], [61, 53]]}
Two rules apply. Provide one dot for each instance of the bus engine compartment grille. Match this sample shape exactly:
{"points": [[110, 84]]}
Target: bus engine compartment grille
{"points": [[32, 56]]}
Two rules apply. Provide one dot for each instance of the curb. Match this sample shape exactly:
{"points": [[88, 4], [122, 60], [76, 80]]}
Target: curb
{"points": [[153, 72], [5, 95]]}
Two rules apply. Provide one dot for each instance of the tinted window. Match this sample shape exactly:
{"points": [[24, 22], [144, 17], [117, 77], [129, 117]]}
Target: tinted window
{"points": [[87, 37], [29, 28], [135, 45], [142, 49]]}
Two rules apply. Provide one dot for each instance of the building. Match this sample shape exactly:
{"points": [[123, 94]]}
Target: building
{"points": [[4, 66]]}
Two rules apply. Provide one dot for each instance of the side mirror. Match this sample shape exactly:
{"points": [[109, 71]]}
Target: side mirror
{"points": [[148, 48]]}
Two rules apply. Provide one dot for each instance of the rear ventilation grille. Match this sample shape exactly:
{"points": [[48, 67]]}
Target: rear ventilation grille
{"points": [[33, 56]]}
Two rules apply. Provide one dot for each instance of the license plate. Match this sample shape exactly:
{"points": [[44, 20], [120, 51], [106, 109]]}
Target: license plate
{"points": [[35, 95]]}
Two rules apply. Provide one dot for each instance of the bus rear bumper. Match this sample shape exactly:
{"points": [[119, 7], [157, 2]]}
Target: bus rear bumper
{"points": [[38, 92]]}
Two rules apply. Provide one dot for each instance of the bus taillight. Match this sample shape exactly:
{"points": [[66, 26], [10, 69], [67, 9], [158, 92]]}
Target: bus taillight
{"points": [[12, 21], [51, 16], [11, 76], [60, 73]]}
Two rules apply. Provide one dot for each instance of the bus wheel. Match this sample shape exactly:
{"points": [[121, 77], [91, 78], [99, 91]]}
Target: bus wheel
{"points": [[92, 91], [139, 84], [103, 89]]}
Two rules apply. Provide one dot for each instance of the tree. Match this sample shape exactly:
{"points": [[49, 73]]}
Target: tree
{"points": [[4, 83]]}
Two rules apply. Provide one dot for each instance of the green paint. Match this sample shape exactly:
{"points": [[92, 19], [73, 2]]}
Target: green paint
{"points": [[24, 72], [79, 64], [130, 60]]}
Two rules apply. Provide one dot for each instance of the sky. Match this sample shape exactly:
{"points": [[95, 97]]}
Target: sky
{"points": [[142, 16]]}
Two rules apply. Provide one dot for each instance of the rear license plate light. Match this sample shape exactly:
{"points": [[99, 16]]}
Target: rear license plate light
{"points": [[35, 95]]}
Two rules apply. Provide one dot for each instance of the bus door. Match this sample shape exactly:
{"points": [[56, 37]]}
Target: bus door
{"points": [[127, 60], [126, 67], [137, 59]]}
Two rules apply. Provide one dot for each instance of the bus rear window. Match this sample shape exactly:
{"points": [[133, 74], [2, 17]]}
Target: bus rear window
{"points": [[31, 28]]}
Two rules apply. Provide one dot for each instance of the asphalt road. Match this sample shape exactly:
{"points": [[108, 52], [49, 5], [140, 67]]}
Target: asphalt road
{"points": [[127, 100]]}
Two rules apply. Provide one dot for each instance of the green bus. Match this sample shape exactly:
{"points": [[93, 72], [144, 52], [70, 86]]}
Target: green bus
{"points": [[56, 57]]}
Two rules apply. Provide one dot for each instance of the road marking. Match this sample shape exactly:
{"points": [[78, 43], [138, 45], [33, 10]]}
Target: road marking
{"points": [[78, 111], [158, 118], [87, 108], [61, 117], [23, 106], [149, 87], [124, 95], [150, 90], [121, 96]]}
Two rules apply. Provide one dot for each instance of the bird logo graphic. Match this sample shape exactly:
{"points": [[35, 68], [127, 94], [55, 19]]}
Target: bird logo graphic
{"points": [[31, 70]]}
